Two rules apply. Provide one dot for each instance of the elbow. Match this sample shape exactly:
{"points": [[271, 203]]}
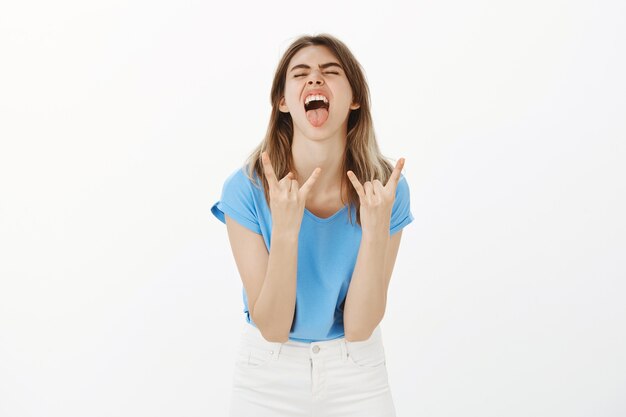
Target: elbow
{"points": [[362, 331], [274, 337], [269, 332], [358, 336], [273, 334]]}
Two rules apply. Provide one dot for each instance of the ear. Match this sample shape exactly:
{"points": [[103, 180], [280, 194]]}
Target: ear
{"points": [[282, 106], [355, 106]]}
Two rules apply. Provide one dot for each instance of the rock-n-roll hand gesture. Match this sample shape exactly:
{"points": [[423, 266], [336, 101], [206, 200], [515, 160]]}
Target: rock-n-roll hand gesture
{"points": [[287, 198], [377, 201]]}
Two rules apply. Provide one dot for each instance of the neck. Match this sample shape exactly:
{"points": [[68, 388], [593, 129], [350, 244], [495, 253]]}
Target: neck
{"points": [[326, 153]]}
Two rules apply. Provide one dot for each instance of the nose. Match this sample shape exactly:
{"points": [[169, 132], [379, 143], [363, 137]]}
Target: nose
{"points": [[315, 78]]}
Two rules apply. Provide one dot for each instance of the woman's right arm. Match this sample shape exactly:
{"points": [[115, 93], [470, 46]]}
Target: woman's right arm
{"points": [[269, 279]]}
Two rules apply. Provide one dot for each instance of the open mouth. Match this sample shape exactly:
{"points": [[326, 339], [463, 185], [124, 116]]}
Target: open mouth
{"points": [[316, 108]]}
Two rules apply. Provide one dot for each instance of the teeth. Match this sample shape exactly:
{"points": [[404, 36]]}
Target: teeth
{"points": [[315, 97]]}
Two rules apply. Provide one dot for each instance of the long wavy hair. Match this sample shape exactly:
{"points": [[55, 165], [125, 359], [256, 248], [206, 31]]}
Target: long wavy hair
{"points": [[361, 155]]}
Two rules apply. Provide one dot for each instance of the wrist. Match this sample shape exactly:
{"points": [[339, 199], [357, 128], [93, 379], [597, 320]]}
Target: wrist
{"points": [[375, 235], [285, 234]]}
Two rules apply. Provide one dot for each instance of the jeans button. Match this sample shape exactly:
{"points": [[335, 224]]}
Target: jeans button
{"points": [[316, 349]]}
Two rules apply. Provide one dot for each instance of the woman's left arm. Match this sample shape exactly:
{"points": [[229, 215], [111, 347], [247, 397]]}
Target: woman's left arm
{"points": [[367, 295], [366, 300]]}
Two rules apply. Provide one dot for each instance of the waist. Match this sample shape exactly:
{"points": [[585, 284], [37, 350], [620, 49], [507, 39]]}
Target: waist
{"points": [[251, 336]]}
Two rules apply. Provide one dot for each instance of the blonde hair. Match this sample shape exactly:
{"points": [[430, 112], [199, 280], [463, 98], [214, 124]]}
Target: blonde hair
{"points": [[362, 154]]}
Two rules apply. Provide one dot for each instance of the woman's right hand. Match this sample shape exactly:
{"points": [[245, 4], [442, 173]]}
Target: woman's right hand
{"points": [[287, 198]]}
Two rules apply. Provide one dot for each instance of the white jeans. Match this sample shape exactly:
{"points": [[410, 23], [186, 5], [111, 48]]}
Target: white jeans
{"points": [[329, 378]]}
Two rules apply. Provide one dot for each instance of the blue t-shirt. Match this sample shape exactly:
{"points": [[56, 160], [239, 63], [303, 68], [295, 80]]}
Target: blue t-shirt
{"points": [[327, 252]]}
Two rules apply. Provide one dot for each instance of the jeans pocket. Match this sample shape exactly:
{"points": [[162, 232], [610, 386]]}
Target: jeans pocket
{"points": [[255, 357], [372, 356]]}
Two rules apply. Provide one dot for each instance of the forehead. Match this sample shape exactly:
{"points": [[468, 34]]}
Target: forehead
{"points": [[313, 55]]}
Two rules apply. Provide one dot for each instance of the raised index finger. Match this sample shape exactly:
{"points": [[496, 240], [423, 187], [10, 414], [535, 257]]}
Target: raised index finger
{"points": [[306, 187], [269, 170], [394, 178]]}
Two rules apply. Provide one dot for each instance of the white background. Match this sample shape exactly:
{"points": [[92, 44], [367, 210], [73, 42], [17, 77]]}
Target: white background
{"points": [[119, 122]]}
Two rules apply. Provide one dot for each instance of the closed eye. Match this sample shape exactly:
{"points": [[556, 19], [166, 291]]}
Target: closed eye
{"points": [[327, 72]]}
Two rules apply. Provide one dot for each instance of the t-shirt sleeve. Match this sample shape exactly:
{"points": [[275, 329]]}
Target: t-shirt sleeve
{"points": [[401, 211], [237, 201]]}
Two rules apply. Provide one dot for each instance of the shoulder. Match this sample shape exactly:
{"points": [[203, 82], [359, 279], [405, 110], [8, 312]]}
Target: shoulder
{"points": [[402, 202], [239, 179], [239, 200], [403, 186], [239, 175]]}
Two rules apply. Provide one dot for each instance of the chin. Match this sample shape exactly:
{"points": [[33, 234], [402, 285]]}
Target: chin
{"points": [[319, 133]]}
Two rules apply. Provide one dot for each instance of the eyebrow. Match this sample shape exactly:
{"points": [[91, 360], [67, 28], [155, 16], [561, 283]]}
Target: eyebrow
{"points": [[322, 66]]}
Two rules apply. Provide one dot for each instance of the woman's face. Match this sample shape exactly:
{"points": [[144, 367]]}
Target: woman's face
{"points": [[314, 70]]}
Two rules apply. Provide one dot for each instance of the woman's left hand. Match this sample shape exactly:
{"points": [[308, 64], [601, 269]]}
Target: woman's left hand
{"points": [[377, 201]]}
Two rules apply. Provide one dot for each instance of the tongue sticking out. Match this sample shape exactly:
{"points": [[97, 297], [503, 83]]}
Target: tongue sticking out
{"points": [[317, 117]]}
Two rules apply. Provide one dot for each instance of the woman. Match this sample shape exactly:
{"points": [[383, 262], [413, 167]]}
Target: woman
{"points": [[315, 259]]}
